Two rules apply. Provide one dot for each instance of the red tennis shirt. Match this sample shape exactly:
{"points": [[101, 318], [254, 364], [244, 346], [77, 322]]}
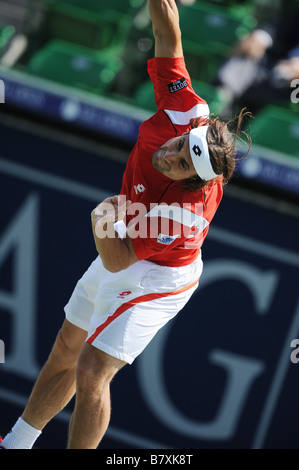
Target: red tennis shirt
{"points": [[171, 224]]}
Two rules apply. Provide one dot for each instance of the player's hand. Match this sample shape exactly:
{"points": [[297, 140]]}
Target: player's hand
{"points": [[110, 210], [115, 205]]}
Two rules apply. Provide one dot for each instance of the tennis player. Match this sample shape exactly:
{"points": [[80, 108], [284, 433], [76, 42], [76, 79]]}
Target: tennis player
{"points": [[148, 240]]}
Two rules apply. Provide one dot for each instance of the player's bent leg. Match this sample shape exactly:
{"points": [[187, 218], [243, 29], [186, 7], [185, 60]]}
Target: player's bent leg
{"points": [[91, 414], [55, 385], [53, 389]]}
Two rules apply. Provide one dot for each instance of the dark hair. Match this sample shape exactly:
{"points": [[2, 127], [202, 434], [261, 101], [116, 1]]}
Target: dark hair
{"points": [[222, 142]]}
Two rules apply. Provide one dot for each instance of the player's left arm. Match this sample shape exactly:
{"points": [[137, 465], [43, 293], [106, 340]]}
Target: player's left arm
{"points": [[116, 253]]}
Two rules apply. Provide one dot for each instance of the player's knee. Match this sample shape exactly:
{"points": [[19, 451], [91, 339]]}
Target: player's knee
{"points": [[63, 351], [91, 381], [93, 373]]}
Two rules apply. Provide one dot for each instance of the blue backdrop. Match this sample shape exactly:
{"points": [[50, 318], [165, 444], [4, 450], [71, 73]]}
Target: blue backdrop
{"points": [[219, 375]]}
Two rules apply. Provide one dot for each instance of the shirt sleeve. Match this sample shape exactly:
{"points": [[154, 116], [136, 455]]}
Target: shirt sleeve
{"points": [[172, 84]]}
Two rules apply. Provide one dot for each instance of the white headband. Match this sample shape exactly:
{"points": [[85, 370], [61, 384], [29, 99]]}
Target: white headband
{"points": [[200, 153]]}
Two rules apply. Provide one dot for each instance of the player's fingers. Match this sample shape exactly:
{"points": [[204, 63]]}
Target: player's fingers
{"points": [[101, 227], [123, 203], [103, 207], [114, 199]]}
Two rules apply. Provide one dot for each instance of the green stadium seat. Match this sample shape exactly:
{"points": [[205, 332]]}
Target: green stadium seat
{"points": [[216, 98], [6, 33], [145, 97], [212, 29], [97, 24], [101, 6], [246, 7], [277, 129], [208, 34], [75, 66]]}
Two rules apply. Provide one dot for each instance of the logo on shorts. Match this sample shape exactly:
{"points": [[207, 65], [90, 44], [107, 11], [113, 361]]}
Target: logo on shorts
{"points": [[177, 85], [122, 295], [166, 239]]}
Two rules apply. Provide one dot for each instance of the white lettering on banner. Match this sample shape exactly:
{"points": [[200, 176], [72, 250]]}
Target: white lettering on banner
{"points": [[29, 96], [22, 237], [262, 284], [241, 371]]}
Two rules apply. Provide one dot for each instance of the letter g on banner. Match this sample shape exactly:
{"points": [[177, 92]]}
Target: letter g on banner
{"points": [[241, 371]]}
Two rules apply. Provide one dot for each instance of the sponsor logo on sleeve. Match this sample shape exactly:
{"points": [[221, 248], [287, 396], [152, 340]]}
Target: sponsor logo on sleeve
{"points": [[177, 85]]}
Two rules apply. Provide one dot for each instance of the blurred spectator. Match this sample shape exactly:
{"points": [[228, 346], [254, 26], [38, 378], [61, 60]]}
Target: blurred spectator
{"points": [[27, 17], [263, 64]]}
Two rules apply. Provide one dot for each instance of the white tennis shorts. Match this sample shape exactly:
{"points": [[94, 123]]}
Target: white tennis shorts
{"points": [[123, 311]]}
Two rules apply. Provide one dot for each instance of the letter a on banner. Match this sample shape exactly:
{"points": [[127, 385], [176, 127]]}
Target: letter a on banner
{"points": [[20, 237]]}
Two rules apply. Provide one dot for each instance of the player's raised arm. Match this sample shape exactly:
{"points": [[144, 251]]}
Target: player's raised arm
{"points": [[165, 20]]}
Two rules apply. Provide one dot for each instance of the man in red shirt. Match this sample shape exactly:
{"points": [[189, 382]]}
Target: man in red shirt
{"points": [[162, 158], [149, 242]]}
